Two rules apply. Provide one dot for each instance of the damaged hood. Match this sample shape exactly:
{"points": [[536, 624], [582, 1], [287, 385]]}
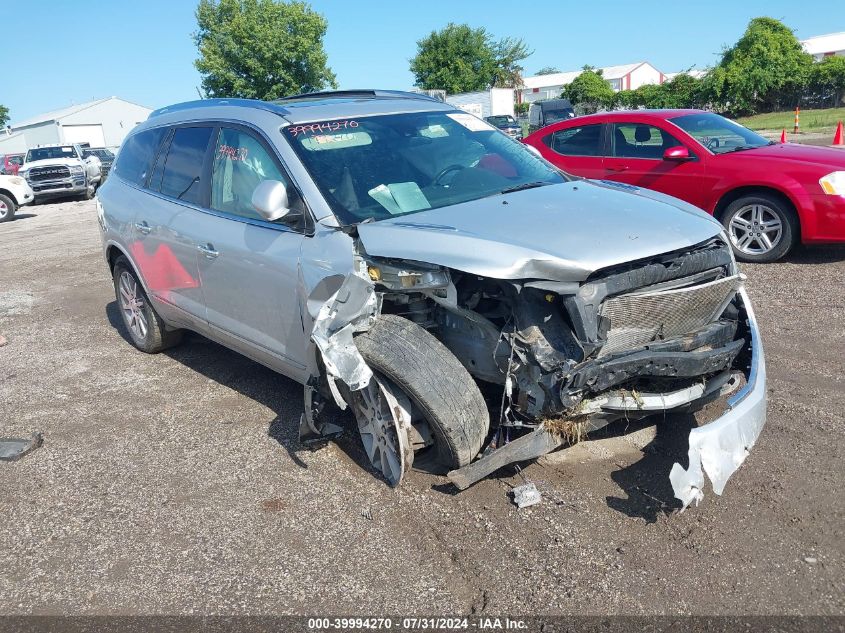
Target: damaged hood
{"points": [[560, 232]]}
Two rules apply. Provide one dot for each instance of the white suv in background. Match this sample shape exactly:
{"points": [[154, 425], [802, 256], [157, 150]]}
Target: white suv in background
{"points": [[14, 193]]}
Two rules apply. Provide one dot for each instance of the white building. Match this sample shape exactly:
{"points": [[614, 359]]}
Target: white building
{"points": [[485, 102], [102, 123], [624, 77], [822, 46]]}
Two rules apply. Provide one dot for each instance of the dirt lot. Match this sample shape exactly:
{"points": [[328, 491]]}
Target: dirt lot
{"points": [[175, 483]]}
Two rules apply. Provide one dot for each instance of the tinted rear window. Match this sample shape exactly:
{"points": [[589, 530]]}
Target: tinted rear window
{"points": [[576, 141], [183, 166], [137, 155]]}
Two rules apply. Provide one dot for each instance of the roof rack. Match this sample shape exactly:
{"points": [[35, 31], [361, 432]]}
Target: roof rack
{"points": [[216, 103], [356, 94]]}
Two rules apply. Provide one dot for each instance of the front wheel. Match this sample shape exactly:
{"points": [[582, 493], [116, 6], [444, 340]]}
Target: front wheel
{"points": [[145, 326], [421, 402], [7, 208], [761, 228]]}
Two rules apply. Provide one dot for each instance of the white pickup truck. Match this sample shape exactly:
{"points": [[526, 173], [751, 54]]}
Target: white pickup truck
{"points": [[61, 170]]}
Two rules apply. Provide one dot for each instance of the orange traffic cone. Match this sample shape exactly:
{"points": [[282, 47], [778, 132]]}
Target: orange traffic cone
{"points": [[838, 137], [783, 136]]}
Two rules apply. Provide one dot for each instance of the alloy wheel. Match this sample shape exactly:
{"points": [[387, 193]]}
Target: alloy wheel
{"points": [[132, 306], [4, 209], [755, 229], [384, 422]]}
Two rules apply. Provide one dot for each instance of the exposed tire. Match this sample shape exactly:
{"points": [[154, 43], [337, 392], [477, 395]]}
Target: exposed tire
{"points": [[7, 208], [762, 228], [436, 383], [145, 327]]}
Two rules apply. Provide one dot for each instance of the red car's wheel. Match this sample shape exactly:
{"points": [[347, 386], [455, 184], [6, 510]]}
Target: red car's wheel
{"points": [[761, 228]]}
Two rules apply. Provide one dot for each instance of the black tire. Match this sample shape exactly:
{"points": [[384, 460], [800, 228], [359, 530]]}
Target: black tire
{"points": [[790, 230], [157, 337], [7, 208], [435, 381]]}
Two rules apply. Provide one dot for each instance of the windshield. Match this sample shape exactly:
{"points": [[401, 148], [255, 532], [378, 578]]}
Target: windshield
{"points": [[501, 120], [385, 166], [47, 153], [717, 133]]}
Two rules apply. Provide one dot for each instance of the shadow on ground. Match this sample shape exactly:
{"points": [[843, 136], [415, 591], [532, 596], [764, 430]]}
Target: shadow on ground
{"points": [[281, 395], [646, 481], [816, 255]]}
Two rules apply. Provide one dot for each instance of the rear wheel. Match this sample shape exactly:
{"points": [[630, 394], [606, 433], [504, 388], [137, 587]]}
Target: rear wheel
{"points": [[145, 327], [421, 401], [7, 208], [761, 228]]}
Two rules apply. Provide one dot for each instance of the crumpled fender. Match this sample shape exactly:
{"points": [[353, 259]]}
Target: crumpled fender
{"points": [[349, 310]]}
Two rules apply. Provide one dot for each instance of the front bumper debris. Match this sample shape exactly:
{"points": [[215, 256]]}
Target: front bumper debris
{"points": [[719, 448]]}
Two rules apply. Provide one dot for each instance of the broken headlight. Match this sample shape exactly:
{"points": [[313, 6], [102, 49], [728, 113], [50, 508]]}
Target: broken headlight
{"points": [[405, 276]]}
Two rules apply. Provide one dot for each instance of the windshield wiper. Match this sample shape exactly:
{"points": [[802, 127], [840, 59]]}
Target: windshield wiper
{"points": [[524, 186], [740, 148]]}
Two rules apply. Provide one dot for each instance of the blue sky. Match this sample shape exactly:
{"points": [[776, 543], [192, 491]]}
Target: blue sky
{"points": [[72, 51]]}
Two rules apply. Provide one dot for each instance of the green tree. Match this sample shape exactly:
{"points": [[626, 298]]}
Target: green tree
{"points": [[624, 99], [260, 49], [459, 58], [548, 70], [4, 115], [827, 80], [508, 52], [651, 96], [682, 91], [765, 70], [589, 90]]}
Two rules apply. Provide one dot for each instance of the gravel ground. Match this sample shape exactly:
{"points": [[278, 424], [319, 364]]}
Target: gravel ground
{"points": [[175, 483]]}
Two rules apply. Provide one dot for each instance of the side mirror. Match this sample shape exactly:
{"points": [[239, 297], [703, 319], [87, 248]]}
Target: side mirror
{"points": [[677, 153], [270, 199]]}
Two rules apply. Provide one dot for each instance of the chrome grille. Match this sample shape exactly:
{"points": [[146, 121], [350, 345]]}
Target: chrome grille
{"points": [[637, 318], [48, 173]]}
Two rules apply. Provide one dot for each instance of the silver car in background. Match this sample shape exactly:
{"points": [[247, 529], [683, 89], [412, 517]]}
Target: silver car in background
{"points": [[399, 258]]}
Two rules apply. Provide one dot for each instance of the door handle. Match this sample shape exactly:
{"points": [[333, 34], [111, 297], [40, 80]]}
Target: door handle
{"points": [[208, 250], [143, 227], [616, 167]]}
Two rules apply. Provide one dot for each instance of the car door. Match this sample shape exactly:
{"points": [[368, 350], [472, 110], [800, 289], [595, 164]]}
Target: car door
{"points": [[165, 250], [636, 157], [577, 149], [248, 267]]}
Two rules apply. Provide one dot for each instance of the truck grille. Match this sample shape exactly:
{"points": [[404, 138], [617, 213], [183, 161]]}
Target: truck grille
{"points": [[638, 318], [37, 174]]}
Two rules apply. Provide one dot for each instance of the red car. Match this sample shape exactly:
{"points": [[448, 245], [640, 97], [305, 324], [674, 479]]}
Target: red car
{"points": [[10, 164], [768, 195]]}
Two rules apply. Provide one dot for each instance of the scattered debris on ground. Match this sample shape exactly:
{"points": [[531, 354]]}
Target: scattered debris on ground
{"points": [[12, 448], [526, 495]]}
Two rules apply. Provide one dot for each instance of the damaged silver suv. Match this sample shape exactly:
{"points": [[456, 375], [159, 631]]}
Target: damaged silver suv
{"points": [[400, 258]]}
